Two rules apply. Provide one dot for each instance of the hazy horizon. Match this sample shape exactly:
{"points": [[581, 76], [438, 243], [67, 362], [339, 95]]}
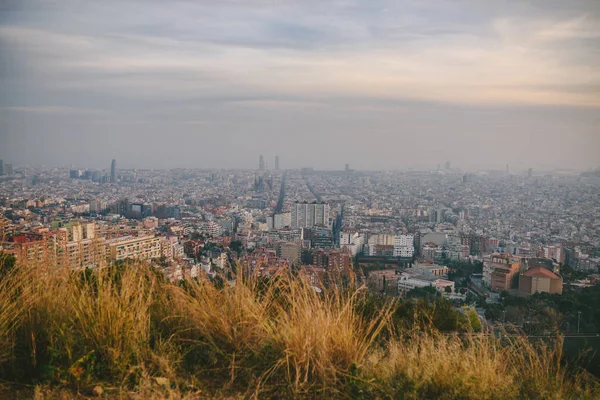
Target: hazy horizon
{"points": [[375, 84]]}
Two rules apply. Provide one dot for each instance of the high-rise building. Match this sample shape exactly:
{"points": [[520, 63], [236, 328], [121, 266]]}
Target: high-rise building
{"points": [[530, 172], [96, 176], [113, 171], [347, 167], [8, 169], [282, 220], [404, 246], [261, 163], [1, 167], [307, 215], [276, 163], [447, 167]]}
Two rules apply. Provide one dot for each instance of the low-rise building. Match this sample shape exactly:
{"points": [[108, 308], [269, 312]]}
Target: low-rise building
{"points": [[409, 280], [539, 279], [384, 282]]}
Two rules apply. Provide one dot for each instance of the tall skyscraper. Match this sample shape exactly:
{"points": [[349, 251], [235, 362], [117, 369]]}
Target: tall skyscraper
{"points": [[347, 167], [447, 167], [1, 167], [276, 163], [307, 215], [113, 171], [261, 163], [530, 172]]}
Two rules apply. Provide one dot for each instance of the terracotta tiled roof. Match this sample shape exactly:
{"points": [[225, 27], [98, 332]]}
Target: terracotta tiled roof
{"points": [[540, 272]]}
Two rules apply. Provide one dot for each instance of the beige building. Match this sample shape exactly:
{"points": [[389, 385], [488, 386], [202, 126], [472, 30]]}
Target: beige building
{"points": [[382, 239], [290, 251], [143, 248], [79, 246], [539, 279], [500, 271]]}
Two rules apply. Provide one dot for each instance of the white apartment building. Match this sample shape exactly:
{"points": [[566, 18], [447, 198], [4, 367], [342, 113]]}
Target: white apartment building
{"points": [[404, 246], [282, 220], [353, 241]]}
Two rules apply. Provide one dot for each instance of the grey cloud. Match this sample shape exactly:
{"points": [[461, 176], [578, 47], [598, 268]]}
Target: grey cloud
{"points": [[382, 84]]}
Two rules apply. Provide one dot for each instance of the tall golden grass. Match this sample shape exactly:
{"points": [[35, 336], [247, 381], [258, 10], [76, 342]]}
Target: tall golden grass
{"points": [[130, 331]]}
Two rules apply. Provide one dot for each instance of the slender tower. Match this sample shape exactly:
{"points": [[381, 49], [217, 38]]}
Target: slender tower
{"points": [[261, 163], [113, 171], [276, 163]]}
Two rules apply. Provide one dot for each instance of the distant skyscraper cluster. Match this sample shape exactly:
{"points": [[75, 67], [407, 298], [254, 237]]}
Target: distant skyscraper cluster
{"points": [[95, 175], [262, 166]]}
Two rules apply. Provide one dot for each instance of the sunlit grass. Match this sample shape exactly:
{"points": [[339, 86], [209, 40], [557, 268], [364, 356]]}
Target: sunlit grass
{"points": [[128, 330]]}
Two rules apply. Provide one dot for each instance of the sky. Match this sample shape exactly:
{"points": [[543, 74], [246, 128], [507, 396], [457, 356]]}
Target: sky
{"points": [[378, 84]]}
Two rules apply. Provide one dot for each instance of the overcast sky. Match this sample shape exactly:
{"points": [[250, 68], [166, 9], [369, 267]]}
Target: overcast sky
{"points": [[379, 84]]}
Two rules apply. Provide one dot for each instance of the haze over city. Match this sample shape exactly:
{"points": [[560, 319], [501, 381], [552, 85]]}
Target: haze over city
{"points": [[377, 84], [271, 199]]}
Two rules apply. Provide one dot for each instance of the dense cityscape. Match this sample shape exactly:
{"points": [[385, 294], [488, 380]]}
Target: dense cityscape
{"points": [[398, 230], [300, 199]]}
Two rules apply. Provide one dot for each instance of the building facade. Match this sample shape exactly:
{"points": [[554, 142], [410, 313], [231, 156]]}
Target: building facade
{"points": [[307, 215], [143, 248]]}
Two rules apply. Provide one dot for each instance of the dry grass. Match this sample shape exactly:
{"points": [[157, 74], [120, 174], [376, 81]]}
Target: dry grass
{"points": [[137, 336]]}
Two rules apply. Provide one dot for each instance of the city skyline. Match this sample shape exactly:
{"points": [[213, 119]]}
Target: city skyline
{"points": [[300, 198], [266, 167], [377, 84], [275, 168]]}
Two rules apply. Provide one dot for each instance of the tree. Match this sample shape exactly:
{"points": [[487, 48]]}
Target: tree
{"points": [[236, 246], [570, 274], [474, 320], [448, 289], [494, 312], [7, 264], [427, 292], [452, 276]]}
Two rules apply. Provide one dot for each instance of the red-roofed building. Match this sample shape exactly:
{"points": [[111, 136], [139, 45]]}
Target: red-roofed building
{"points": [[539, 279]]}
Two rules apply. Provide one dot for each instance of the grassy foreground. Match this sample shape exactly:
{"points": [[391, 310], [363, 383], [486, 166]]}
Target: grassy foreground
{"points": [[123, 332]]}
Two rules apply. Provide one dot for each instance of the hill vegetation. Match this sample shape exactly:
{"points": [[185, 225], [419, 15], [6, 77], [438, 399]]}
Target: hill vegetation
{"points": [[124, 331]]}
